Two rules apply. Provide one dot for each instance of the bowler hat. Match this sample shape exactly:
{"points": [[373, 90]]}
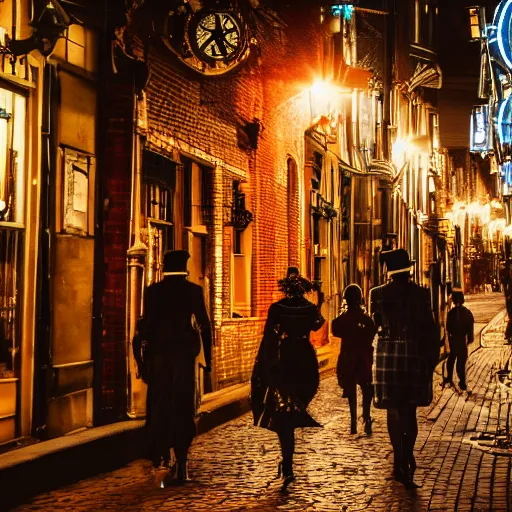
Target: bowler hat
{"points": [[397, 261], [176, 261]]}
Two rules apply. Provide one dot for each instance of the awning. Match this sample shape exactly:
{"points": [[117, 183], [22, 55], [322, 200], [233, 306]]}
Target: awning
{"points": [[425, 75]]}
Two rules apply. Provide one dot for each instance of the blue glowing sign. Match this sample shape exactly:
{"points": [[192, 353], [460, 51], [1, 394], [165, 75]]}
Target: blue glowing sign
{"points": [[480, 141], [505, 121], [502, 22], [345, 10], [506, 172]]}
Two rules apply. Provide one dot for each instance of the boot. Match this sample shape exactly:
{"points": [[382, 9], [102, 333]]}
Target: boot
{"points": [[287, 468]]}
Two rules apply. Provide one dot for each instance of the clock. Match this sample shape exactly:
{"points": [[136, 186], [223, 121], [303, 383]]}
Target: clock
{"points": [[212, 42]]}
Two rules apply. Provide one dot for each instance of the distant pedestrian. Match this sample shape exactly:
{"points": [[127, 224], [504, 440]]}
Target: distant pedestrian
{"points": [[405, 357], [176, 319], [356, 330], [285, 377], [460, 327]]}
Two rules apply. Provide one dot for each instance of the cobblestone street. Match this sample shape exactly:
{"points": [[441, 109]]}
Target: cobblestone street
{"points": [[234, 467]]}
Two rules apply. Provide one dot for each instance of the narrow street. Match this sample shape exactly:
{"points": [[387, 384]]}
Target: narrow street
{"points": [[234, 467]]}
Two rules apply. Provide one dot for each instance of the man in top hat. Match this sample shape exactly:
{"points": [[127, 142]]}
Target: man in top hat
{"points": [[460, 327], [176, 320], [405, 357]]}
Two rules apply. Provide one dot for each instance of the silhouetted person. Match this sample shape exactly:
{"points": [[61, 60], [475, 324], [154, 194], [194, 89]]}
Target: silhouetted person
{"points": [[176, 320], [460, 326], [356, 330], [405, 357], [285, 377]]}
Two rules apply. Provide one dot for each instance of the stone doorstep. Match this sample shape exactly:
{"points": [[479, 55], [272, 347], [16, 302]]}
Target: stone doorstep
{"points": [[25, 471]]}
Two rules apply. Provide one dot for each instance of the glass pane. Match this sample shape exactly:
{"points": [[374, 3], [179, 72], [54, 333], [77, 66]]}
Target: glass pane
{"points": [[10, 263]]}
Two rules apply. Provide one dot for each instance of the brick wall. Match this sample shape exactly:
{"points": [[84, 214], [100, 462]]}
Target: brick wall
{"points": [[234, 354], [202, 118], [116, 177]]}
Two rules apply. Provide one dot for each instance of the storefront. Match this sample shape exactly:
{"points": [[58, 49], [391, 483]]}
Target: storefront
{"points": [[13, 113]]}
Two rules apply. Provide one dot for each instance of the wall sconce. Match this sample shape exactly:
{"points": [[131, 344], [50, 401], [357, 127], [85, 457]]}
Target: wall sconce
{"points": [[49, 24], [477, 24]]}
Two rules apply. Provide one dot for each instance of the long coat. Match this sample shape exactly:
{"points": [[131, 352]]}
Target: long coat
{"points": [[175, 317], [356, 330], [408, 344], [285, 377]]}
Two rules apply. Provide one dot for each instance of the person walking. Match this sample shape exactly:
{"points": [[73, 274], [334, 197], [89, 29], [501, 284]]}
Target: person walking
{"points": [[356, 330], [176, 321], [285, 376], [460, 327], [405, 357]]}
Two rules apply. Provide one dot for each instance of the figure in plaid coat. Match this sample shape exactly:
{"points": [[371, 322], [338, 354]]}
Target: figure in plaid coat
{"points": [[405, 357]]}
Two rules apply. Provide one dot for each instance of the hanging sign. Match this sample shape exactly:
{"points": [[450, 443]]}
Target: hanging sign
{"points": [[479, 131]]}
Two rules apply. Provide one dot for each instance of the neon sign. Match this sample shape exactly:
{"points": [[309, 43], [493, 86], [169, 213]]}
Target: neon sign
{"points": [[505, 121], [479, 131], [342, 10], [502, 20]]}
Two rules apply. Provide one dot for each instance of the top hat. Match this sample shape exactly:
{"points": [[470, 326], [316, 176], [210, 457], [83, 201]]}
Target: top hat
{"points": [[176, 261], [397, 261]]}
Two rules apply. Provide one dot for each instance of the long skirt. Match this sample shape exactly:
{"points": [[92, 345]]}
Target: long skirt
{"points": [[280, 396]]}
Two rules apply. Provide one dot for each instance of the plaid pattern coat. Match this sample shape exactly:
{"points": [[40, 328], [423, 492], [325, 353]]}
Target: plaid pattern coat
{"points": [[407, 346]]}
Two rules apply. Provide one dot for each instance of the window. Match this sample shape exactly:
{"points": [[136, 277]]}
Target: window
{"points": [[10, 262], [237, 241], [160, 185], [12, 156], [75, 47], [76, 191], [241, 251]]}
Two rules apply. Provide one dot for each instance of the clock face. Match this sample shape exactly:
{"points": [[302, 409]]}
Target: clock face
{"points": [[217, 36], [210, 42]]}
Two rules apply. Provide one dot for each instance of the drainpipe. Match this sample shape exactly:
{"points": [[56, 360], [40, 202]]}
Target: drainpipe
{"points": [[135, 261]]}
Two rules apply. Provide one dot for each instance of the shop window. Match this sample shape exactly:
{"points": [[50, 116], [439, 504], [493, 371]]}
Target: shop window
{"points": [[160, 185], [12, 156], [10, 261], [77, 167]]}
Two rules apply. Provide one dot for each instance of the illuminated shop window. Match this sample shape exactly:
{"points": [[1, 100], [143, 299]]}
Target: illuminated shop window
{"points": [[12, 219], [12, 156], [10, 260]]}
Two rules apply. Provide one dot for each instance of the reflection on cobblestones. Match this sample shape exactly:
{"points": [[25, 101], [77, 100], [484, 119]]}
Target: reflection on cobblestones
{"points": [[234, 467]]}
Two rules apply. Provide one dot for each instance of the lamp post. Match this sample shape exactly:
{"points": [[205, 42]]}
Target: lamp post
{"points": [[136, 264]]}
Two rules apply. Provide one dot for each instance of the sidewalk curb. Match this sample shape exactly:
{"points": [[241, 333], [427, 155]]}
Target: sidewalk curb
{"points": [[26, 471]]}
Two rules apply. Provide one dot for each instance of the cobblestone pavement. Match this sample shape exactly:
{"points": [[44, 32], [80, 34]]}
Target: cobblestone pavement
{"points": [[234, 466]]}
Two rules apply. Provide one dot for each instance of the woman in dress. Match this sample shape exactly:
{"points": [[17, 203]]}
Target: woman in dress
{"points": [[285, 377], [356, 330]]}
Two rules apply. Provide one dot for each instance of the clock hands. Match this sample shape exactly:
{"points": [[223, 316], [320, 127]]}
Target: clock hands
{"points": [[219, 35]]}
